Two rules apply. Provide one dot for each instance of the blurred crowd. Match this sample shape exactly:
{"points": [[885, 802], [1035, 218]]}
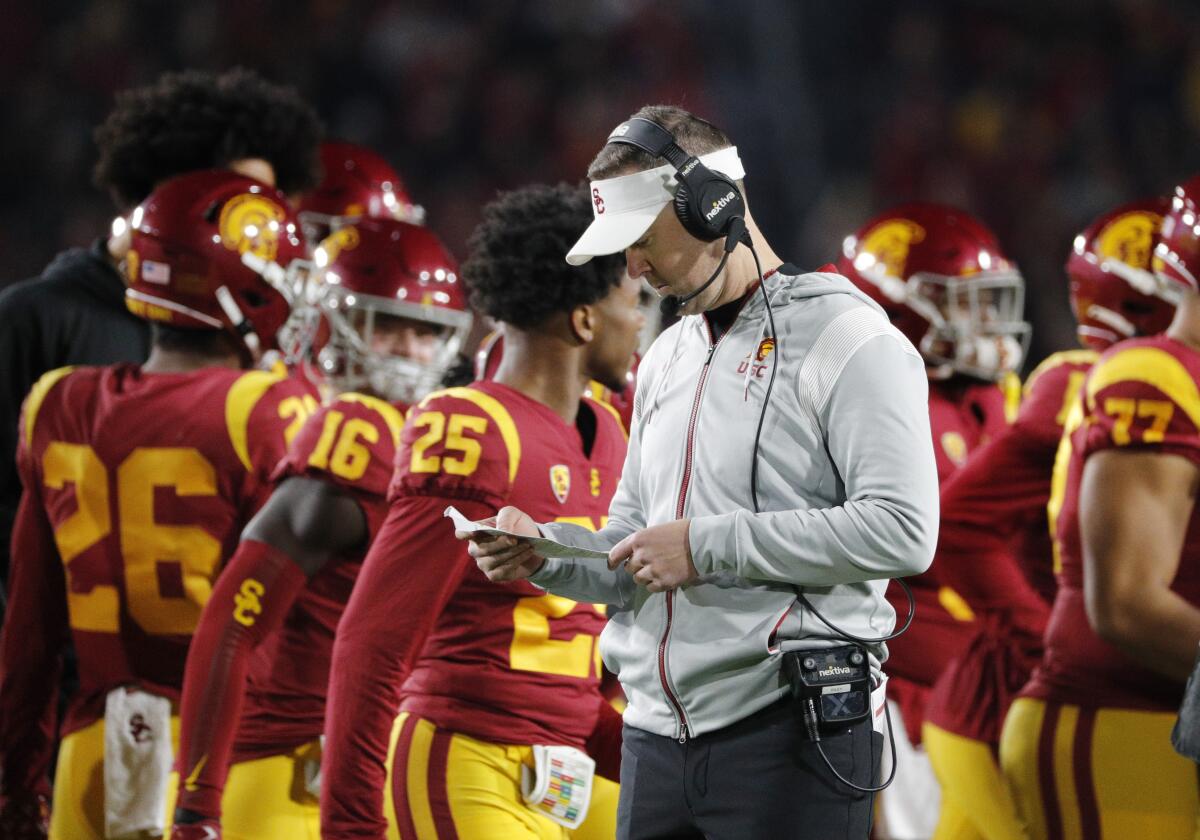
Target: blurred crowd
{"points": [[1034, 116]]}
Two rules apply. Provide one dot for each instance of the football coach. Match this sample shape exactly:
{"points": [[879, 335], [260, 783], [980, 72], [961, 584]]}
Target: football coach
{"points": [[780, 471]]}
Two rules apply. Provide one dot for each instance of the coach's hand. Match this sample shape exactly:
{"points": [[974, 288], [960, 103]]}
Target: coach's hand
{"points": [[659, 557], [505, 558]]}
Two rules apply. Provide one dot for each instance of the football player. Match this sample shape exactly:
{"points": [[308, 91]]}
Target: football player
{"points": [[1086, 746], [398, 312], [75, 312], [137, 480], [945, 283], [498, 686], [994, 548]]}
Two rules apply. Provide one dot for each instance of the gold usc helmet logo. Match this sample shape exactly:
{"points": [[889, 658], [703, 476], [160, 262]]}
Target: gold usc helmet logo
{"points": [[890, 241], [1129, 238], [249, 224]]}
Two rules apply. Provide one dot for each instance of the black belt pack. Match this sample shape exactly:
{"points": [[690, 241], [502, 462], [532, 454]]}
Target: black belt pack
{"points": [[833, 682]]}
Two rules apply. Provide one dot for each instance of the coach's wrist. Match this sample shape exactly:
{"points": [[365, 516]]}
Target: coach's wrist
{"points": [[544, 575], [713, 544]]}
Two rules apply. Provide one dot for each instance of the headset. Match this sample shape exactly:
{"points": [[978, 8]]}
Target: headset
{"points": [[710, 206]]}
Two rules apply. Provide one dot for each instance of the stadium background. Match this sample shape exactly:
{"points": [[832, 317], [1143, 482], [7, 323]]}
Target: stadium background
{"points": [[1034, 115]]}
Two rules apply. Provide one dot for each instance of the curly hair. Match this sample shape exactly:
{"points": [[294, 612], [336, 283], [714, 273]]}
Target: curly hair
{"points": [[516, 269], [198, 120]]}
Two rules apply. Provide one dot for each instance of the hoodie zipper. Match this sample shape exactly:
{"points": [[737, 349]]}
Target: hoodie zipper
{"points": [[679, 508]]}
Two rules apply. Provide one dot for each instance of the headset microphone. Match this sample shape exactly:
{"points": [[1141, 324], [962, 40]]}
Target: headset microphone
{"points": [[671, 304]]}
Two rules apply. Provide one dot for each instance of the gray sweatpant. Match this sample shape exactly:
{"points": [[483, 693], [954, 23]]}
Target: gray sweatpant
{"points": [[758, 778]]}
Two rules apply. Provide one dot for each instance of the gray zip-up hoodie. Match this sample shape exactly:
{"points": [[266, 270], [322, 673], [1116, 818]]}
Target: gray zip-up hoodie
{"points": [[847, 487]]}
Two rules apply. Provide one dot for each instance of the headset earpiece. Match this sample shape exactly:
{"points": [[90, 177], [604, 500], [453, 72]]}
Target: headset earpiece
{"points": [[706, 202], [683, 211]]}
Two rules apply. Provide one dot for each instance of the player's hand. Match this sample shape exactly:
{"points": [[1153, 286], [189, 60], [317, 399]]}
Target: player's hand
{"points": [[505, 558], [204, 830], [658, 557], [25, 817]]}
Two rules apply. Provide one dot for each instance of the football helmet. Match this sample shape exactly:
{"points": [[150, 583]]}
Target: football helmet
{"points": [[356, 183], [941, 277], [1177, 255], [1114, 293], [366, 276], [213, 250]]}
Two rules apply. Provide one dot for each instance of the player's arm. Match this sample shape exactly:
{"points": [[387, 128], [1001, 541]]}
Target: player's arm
{"points": [[1134, 511], [304, 525], [31, 644], [1001, 489], [412, 568]]}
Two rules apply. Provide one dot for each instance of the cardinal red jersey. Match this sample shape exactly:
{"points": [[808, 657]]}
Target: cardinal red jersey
{"points": [[137, 486], [495, 648], [994, 551], [351, 443], [962, 415], [425, 629], [1141, 395]]}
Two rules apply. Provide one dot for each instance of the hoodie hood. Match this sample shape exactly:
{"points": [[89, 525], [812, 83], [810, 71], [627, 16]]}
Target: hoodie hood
{"points": [[793, 284]]}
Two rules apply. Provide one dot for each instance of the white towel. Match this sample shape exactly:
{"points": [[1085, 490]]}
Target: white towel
{"points": [[137, 764]]}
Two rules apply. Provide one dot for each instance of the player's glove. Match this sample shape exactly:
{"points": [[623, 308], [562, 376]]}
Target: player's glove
{"points": [[207, 829], [25, 817]]}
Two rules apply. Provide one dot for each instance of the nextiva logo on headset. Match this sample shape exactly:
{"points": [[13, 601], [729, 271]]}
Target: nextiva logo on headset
{"points": [[720, 205]]}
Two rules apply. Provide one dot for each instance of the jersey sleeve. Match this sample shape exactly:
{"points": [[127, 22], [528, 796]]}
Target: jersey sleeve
{"points": [[997, 495], [34, 635], [250, 601], [1049, 393], [1142, 398], [264, 411], [350, 443], [458, 444]]}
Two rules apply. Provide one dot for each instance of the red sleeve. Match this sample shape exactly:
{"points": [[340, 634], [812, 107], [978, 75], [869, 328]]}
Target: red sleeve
{"points": [[251, 599], [31, 644], [999, 493], [1160, 416], [413, 567]]}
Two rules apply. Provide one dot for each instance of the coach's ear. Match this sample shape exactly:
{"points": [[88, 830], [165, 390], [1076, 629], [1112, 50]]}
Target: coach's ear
{"points": [[583, 323]]}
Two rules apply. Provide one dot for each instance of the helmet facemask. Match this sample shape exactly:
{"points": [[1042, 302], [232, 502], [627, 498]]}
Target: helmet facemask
{"points": [[351, 361], [975, 322]]}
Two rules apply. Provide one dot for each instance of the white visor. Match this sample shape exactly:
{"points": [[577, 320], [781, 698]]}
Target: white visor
{"points": [[624, 207]]}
